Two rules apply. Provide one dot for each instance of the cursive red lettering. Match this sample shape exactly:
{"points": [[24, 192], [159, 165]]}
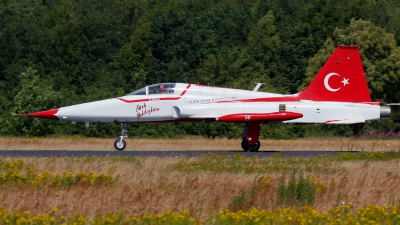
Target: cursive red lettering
{"points": [[141, 110]]}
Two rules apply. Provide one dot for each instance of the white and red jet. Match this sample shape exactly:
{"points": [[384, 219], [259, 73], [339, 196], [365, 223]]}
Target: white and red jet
{"points": [[338, 95]]}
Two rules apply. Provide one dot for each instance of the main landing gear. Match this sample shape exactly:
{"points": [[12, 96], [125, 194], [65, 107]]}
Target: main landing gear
{"points": [[250, 147], [120, 143], [250, 135]]}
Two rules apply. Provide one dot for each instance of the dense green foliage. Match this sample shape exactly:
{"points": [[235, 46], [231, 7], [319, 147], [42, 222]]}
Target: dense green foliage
{"points": [[58, 53]]}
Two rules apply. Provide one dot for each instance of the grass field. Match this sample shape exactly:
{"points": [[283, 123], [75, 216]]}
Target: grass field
{"points": [[156, 185], [205, 185], [197, 143]]}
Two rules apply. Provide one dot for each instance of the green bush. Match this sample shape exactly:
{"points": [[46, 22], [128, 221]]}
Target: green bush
{"points": [[299, 191]]}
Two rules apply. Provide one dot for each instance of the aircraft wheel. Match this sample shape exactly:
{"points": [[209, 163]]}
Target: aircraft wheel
{"points": [[252, 147], [255, 147], [245, 145], [119, 144]]}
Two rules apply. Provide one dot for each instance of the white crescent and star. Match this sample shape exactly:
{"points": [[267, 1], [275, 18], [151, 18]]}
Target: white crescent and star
{"points": [[329, 88]]}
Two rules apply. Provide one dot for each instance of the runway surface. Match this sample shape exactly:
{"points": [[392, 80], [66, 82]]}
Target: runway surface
{"points": [[62, 153]]}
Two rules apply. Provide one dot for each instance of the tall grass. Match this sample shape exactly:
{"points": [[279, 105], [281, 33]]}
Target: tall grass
{"points": [[368, 156], [306, 215], [298, 191], [237, 163], [16, 173], [277, 163], [151, 185]]}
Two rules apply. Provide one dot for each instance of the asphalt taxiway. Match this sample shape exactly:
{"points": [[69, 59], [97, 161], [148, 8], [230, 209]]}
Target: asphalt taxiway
{"points": [[83, 153]]}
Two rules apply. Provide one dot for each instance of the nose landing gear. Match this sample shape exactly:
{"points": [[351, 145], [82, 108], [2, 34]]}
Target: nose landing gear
{"points": [[120, 143]]}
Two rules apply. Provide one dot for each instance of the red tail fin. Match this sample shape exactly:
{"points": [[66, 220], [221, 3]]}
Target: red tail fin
{"points": [[341, 79]]}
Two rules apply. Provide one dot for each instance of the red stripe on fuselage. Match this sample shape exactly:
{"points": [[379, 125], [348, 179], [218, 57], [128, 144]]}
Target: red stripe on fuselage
{"points": [[184, 91], [271, 99], [169, 121], [135, 100], [282, 99], [148, 99]]}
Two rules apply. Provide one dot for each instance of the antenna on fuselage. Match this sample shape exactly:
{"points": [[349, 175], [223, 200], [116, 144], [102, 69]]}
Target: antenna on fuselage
{"points": [[258, 86]]}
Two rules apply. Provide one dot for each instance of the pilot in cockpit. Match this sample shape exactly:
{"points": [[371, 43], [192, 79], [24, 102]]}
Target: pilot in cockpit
{"points": [[161, 89]]}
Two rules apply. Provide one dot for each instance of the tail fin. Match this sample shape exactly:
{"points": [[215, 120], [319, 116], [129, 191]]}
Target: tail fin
{"points": [[341, 79]]}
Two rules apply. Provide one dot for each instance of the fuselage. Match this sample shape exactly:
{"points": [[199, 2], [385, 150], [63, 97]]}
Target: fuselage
{"points": [[338, 94], [187, 102]]}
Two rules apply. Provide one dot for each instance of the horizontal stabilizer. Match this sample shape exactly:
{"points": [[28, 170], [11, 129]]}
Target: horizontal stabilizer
{"points": [[248, 117]]}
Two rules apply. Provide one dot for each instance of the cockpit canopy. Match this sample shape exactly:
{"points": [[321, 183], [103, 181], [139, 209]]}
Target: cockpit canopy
{"points": [[163, 88]]}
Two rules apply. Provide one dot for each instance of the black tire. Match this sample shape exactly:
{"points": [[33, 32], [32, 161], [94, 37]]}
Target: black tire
{"points": [[255, 147], [119, 144], [245, 145], [252, 147]]}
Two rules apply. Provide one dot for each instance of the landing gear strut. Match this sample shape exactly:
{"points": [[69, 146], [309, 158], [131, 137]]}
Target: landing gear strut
{"points": [[120, 143]]}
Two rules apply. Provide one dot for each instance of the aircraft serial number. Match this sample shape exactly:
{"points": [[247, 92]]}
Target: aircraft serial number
{"points": [[154, 99]]}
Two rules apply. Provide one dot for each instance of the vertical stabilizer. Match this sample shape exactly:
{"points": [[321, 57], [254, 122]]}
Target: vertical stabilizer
{"points": [[341, 79]]}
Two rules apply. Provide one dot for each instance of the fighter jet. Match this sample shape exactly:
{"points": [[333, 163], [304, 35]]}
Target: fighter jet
{"points": [[337, 95]]}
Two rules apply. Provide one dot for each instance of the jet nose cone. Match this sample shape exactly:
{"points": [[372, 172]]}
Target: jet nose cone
{"points": [[48, 114]]}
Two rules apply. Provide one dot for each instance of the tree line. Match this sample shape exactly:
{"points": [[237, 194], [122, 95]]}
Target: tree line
{"points": [[64, 52]]}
